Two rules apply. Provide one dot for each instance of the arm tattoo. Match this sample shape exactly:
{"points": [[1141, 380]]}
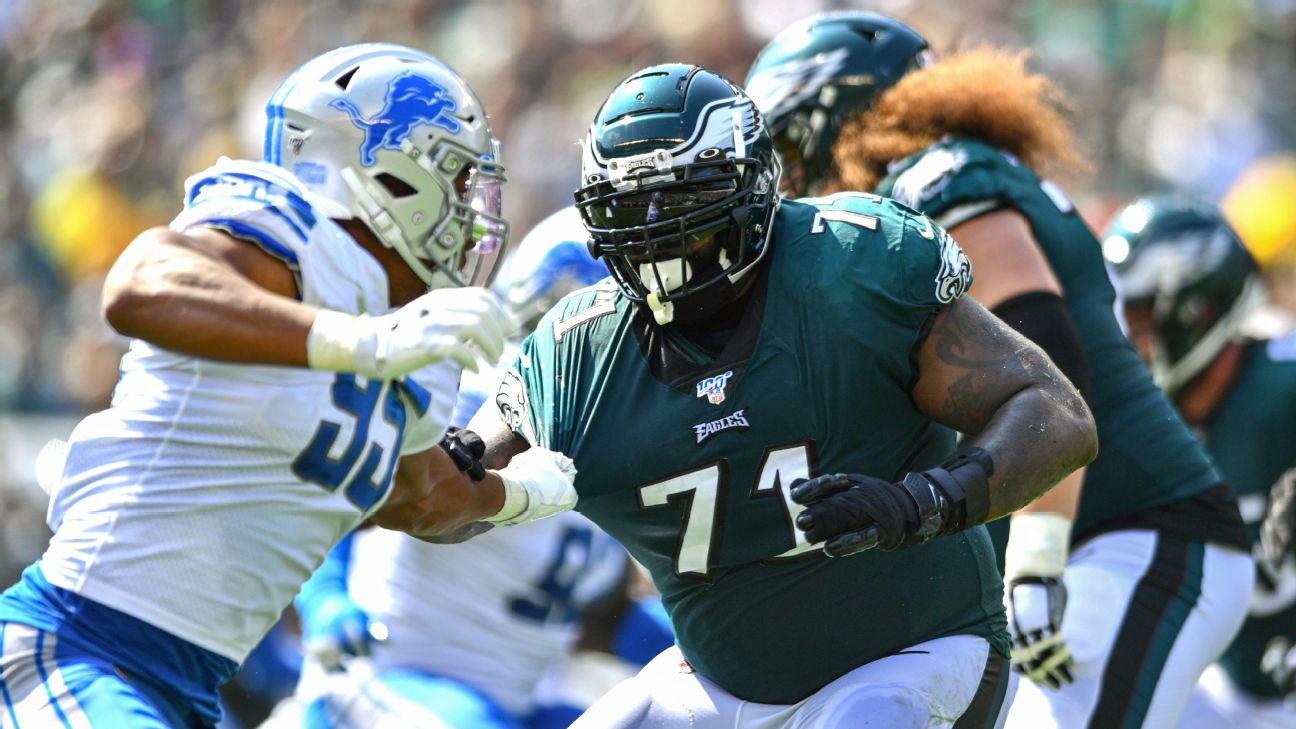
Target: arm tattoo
{"points": [[990, 357], [1008, 396]]}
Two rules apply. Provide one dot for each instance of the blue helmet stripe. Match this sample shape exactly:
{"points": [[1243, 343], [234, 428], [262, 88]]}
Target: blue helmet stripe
{"points": [[272, 151], [274, 113]]}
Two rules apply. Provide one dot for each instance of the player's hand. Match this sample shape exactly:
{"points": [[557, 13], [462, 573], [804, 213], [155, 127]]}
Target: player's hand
{"points": [[460, 324], [335, 628], [1278, 528], [850, 512], [1279, 663], [537, 483], [1035, 609]]}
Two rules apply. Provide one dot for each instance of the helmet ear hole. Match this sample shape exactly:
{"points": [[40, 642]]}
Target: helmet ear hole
{"points": [[395, 186], [344, 80]]}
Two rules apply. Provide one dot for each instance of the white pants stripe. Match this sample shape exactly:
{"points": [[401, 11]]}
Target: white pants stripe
{"points": [[1102, 577], [36, 695]]}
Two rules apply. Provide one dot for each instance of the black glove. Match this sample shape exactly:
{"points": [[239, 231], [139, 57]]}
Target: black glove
{"points": [[466, 449], [852, 512], [1278, 529]]}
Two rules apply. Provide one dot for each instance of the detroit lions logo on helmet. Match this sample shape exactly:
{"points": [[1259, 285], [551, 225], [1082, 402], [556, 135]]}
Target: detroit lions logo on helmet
{"points": [[412, 100]]}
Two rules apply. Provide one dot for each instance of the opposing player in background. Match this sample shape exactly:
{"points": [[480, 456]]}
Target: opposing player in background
{"points": [[509, 604], [269, 402], [744, 346], [1156, 583], [1187, 286]]}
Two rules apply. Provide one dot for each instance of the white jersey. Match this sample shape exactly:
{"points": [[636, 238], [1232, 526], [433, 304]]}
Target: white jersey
{"points": [[208, 492], [494, 612]]}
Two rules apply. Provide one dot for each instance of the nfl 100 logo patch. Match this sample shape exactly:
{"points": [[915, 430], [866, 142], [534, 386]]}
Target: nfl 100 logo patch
{"points": [[712, 388]]}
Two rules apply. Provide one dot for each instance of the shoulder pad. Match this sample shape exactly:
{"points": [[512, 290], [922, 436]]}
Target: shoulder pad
{"points": [[953, 172], [252, 200]]}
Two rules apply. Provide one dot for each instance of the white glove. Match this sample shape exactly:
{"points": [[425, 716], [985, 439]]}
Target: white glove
{"points": [[454, 323], [1036, 597], [537, 483]]}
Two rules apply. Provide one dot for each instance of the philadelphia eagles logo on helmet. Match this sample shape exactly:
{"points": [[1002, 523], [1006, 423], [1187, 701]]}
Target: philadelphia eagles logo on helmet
{"points": [[795, 82], [822, 71], [679, 189], [1179, 264]]}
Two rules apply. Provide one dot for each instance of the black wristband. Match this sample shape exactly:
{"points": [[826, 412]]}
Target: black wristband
{"points": [[965, 479], [465, 448]]}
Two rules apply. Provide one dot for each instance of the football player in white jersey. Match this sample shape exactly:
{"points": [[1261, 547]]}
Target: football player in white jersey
{"points": [[272, 399], [508, 604]]}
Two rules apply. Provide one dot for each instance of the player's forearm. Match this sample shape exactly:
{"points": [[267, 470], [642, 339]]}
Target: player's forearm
{"points": [[443, 505], [1035, 439], [180, 299], [1063, 499]]}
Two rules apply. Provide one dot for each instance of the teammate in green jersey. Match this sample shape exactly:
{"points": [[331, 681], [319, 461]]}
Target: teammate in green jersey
{"points": [[744, 346], [1156, 582], [1187, 284]]}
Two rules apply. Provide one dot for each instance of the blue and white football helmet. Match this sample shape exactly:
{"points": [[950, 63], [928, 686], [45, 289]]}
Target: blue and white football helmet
{"points": [[552, 261], [394, 138]]}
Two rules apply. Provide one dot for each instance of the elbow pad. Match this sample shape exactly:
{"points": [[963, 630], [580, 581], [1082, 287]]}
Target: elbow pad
{"points": [[1042, 317]]}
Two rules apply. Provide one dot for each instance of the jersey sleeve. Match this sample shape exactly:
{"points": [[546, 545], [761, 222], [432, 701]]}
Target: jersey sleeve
{"points": [[894, 253], [890, 271], [255, 202], [936, 270], [541, 397]]}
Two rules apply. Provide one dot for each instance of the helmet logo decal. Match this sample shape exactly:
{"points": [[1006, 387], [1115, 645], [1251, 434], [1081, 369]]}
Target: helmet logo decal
{"points": [[718, 126], [713, 388], [790, 84], [412, 100]]}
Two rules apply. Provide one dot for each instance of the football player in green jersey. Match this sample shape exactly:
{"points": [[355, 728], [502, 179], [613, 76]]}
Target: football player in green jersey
{"points": [[1187, 284], [744, 346], [1157, 575]]}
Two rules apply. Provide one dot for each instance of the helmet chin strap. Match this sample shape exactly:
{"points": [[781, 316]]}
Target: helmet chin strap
{"points": [[663, 277]]}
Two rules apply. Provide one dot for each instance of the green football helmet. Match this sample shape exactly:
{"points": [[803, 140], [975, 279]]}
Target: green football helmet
{"points": [[679, 189], [819, 73], [1178, 265]]}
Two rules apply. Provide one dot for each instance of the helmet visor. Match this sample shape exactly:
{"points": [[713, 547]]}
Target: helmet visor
{"points": [[489, 232]]}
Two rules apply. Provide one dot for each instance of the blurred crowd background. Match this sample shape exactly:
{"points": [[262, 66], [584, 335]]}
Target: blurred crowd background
{"points": [[107, 105]]}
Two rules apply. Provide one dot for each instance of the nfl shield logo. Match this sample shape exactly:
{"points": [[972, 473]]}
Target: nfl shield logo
{"points": [[713, 388]]}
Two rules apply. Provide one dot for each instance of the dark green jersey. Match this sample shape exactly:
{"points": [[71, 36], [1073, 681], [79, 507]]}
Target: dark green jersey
{"points": [[1252, 437], [1146, 456], [691, 472]]}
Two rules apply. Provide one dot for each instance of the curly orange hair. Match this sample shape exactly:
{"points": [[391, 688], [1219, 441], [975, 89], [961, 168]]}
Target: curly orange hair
{"points": [[985, 94]]}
